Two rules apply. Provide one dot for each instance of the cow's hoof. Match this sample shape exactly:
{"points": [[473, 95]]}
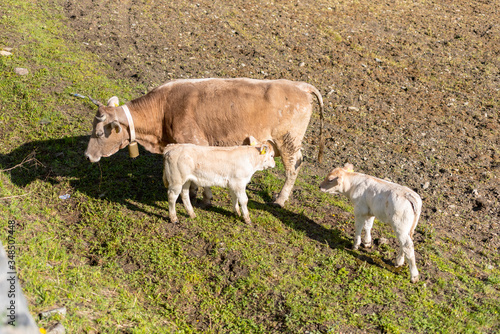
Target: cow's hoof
{"points": [[367, 245], [276, 205], [355, 247], [414, 279]]}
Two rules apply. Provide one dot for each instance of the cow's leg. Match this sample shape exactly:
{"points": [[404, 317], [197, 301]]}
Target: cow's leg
{"points": [[207, 197], [186, 201], [292, 165], [367, 241], [193, 190], [409, 252], [207, 194], [234, 202], [173, 194]]}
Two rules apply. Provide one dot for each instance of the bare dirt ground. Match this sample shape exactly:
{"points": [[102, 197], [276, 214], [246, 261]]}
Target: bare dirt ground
{"points": [[411, 89]]}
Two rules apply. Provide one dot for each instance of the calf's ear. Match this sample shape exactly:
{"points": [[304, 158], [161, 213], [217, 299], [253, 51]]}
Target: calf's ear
{"points": [[264, 149], [349, 167]]}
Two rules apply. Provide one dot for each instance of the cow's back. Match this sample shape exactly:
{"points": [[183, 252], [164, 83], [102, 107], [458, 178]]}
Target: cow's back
{"points": [[223, 112]]}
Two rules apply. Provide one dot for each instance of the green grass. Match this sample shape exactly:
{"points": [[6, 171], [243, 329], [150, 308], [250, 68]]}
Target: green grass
{"points": [[110, 255]]}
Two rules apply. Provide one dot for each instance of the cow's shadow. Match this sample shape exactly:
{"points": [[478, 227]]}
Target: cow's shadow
{"points": [[131, 182], [117, 178]]}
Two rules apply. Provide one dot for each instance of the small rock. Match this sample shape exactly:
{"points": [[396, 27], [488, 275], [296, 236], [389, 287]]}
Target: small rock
{"points": [[7, 49], [378, 60], [5, 53], [381, 241], [489, 267], [21, 71], [353, 108], [302, 64], [426, 185], [58, 328], [50, 313]]}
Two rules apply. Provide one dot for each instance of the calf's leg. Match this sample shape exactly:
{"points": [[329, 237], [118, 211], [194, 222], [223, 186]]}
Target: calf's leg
{"points": [[173, 194], [358, 227], [367, 241], [243, 199], [409, 253], [234, 202], [186, 201]]}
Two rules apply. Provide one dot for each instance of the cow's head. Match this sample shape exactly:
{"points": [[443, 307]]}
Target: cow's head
{"points": [[334, 181], [107, 134]]}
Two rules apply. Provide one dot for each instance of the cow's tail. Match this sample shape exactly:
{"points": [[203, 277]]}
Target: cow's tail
{"points": [[312, 90], [416, 204]]}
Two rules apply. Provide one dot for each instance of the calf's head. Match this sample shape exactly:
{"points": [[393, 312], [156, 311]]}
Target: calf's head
{"points": [[266, 152], [334, 181], [107, 136]]}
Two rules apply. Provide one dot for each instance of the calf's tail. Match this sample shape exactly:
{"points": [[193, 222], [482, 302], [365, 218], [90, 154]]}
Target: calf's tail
{"points": [[416, 204]]}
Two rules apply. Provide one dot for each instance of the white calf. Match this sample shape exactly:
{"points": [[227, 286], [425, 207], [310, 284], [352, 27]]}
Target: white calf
{"points": [[373, 198], [206, 166]]}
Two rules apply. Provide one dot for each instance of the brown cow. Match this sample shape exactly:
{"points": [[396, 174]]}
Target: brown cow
{"points": [[215, 112]]}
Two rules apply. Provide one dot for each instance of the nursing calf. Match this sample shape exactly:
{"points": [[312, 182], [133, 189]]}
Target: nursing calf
{"points": [[373, 198], [207, 166]]}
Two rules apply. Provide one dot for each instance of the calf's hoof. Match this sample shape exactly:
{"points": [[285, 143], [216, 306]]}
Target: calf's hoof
{"points": [[368, 245], [355, 247], [414, 279]]}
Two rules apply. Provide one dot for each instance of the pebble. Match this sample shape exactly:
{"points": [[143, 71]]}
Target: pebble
{"points": [[50, 313], [426, 185], [5, 53], [353, 108], [381, 241], [21, 71], [302, 64], [58, 328]]}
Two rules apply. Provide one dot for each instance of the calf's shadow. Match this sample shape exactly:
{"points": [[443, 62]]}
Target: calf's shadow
{"points": [[127, 181]]}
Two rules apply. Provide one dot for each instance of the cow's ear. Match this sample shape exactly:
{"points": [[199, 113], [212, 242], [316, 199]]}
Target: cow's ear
{"points": [[113, 102], [250, 140], [116, 126]]}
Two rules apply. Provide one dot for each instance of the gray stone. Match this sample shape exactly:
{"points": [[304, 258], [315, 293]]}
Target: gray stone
{"points": [[21, 71], [58, 328]]}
